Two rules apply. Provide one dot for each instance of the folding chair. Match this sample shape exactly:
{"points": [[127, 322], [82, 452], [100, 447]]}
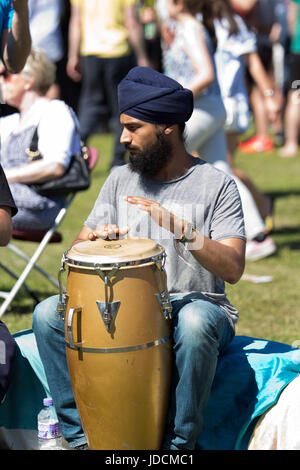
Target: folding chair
{"points": [[42, 238]]}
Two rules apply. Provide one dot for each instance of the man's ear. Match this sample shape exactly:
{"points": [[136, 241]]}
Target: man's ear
{"points": [[169, 130]]}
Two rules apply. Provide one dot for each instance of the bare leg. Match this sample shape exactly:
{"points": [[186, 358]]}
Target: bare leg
{"points": [[232, 143], [259, 112], [292, 122], [264, 204]]}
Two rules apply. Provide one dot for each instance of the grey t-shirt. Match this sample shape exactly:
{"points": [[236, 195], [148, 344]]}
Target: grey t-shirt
{"points": [[204, 196]]}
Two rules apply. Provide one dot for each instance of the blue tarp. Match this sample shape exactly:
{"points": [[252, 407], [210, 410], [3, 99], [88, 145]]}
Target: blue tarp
{"points": [[29, 386], [249, 379], [250, 376]]}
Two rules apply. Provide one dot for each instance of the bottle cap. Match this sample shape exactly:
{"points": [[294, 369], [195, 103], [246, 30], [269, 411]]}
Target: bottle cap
{"points": [[47, 402]]}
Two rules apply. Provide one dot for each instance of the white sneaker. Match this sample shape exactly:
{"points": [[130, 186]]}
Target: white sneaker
{"points": [[258, 250]]}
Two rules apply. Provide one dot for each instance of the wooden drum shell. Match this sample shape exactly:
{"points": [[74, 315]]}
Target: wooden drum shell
{"points": [[121, 379]]}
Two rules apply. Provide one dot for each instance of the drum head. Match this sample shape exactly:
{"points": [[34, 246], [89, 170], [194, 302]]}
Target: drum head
{"points": [[125, 252]]}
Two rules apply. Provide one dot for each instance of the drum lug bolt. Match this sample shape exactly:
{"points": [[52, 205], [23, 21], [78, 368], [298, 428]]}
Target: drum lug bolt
{"points": [[165, 304], [108, 312], [108, 309], [63, 298], [61, 306]]}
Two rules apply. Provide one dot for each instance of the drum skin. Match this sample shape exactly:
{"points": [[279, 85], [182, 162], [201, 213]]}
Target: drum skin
{"points": [[120, 378]]}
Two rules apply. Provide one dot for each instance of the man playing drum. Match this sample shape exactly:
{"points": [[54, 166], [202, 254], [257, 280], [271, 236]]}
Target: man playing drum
{"points": [[194, 211]]}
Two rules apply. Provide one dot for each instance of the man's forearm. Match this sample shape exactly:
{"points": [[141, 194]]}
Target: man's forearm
{"points": [[258, 72], [135, 35], [74, 34], [36, 172], [224, 259], [18, 43]]}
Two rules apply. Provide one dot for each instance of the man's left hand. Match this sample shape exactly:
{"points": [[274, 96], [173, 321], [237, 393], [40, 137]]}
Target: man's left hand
{"points": [[159, 214]]}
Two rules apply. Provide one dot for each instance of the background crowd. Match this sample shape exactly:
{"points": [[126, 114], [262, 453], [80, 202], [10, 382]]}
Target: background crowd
{"points": [[240, 59]]}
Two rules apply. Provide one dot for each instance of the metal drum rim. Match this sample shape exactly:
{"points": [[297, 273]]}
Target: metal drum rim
{"points": [[113, 263]]}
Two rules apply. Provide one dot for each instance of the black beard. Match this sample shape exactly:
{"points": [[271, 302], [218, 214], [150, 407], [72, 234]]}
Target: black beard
{"points": [[153, 158]]}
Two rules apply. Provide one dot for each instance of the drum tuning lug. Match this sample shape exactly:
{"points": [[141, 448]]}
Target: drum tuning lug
{"points": [[61, 306], [160, 261], [63, 298], [165, 304], [108, 312], [108, 309], [72, 311]]}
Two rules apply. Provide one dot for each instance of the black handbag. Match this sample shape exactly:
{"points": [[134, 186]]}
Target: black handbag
{"points": [[76, 178]]}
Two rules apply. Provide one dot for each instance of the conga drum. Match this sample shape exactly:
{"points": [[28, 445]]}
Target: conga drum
{"points": [[118, 341]]}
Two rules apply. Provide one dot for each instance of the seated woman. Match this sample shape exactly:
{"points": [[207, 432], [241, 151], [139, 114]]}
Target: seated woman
{"points": [[58, 140]]}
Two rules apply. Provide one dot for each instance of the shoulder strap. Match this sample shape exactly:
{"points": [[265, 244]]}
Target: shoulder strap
{"points": [[33, 150], [34, 141]]}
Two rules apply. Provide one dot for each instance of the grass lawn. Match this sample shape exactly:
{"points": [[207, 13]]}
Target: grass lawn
{"points": [[268, 310]]}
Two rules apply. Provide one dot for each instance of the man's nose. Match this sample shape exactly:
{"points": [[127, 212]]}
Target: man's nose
{"points": [[125, 137]]}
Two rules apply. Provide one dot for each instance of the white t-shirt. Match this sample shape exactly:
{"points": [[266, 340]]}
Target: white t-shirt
{"points": [[229, 56], [238, 44], [58, 136]]}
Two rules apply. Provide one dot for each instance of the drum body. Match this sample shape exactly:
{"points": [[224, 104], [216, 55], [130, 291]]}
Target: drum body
{"points": [[118, 342]]}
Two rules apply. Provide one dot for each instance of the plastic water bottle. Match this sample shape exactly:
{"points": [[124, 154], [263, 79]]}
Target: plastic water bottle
{"points": [[49, 433]]}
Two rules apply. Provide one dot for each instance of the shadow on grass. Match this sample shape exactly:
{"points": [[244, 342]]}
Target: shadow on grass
{"points": [[24, 304], [288, 237], [292, 246], [279, 194], [287, 230]]}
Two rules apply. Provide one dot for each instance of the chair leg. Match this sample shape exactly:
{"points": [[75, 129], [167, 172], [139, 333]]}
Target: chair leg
{"points": [[24, 274], [32, 261], [14, 276], [22, 255]]}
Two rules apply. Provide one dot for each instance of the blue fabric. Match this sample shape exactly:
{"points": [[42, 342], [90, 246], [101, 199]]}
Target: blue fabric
{"points": [[6, 14], [201, 330], [152, 97], [28, 387], [249, 379], [7, 355], [250, 376]]}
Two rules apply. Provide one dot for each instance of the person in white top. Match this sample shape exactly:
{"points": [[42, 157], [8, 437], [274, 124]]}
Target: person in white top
{"points": [[237, 48], [58, 140], [45, 23]]}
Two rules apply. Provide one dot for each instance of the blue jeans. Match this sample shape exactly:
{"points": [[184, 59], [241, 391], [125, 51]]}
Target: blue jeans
{"points": [[201, 331]]}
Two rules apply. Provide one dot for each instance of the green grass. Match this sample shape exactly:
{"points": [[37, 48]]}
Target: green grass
{"points": [[272, 310], [269, 310]]}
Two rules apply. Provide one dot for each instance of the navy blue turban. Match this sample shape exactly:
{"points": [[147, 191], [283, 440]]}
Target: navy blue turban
{"points": [[152, 97]]}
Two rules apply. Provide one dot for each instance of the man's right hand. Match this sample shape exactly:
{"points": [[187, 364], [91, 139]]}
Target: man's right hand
{"points": [[73, 69], [108, 231]]}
